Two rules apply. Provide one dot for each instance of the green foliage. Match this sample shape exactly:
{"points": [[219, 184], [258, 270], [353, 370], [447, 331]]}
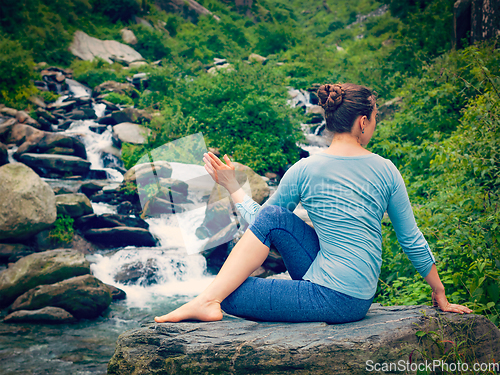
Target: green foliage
{"points": [[454, 175], [151, 44], [93, 73], [63, 231], [116, 10], [119, 99], [48, 96], [16, 70]]}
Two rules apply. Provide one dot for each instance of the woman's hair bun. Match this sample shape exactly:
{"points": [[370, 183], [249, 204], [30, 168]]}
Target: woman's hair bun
{"points": [[330, 96]]}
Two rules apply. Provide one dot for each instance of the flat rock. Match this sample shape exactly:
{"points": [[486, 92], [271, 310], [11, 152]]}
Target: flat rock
{"points": [[28, 203], [84, 297], [40, 268], [74, 205], [52, 163], [88, 48], [120, 237], [131, 133], [239, 346], [12, 252], [47, 315]]}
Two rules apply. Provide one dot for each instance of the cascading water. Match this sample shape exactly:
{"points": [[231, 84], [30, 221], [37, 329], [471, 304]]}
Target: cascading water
{"points": [[315, 142], [167, 270]]}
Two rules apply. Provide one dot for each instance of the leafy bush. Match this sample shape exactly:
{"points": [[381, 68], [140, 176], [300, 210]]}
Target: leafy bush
{"points": [[151, 43], [116, 10], [93, 73], [454, 178], [63, 231], [119, 99], [16, 70]]}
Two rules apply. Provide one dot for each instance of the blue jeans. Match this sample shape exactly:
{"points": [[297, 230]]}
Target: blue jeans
{"points": [[294, 300]]}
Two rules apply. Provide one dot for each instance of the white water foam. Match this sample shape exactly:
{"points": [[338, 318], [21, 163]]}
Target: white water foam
{"points": [[95, 144], [175, 273]]}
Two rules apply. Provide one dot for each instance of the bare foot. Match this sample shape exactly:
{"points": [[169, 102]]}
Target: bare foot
{"points": [[197, 309]]}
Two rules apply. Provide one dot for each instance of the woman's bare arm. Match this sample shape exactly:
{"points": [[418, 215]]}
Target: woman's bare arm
{"points": [[438, 294]]}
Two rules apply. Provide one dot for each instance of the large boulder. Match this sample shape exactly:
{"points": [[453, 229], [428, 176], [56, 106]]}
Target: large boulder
{"points": [[31, 140], [129, 132], [47, 315], [74, 205], [28, 202], [239, 346], [84, 297], [146, 173], [40, 268], [60, 165], [128, 36], [131, 115], [88, 48]]}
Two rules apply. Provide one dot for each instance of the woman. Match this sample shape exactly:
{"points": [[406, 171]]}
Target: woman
{"points": [[335, 266]]}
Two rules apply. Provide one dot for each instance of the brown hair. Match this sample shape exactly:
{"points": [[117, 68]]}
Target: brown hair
{"points": [[343, 103]]}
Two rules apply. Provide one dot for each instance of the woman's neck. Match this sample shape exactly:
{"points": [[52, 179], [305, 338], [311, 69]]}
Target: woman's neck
{"points": [[345, 144]]}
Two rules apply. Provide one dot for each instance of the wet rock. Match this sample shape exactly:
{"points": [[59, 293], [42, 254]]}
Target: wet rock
{"points": [[158, 206], [31, 140], [88, 48], [73, 205], [8, 111], [6, 128], [239, 346], [12, 252], [138, 273], [257, 58], [217, 217], [131, 115], [92, 187], [47, 315], [146, 173], [18, 133], [66, 106], [46, 164], [40, 268], [113, 86], [125, 208], [22, 116], [120, 237], [131, 133], [94, 221], [107, 120], [4, 154], [116, 293], [42, 113], [84, 297], [28, 202]]}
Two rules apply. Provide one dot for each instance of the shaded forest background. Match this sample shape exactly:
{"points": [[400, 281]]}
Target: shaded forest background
{"points": [[443, 135]]}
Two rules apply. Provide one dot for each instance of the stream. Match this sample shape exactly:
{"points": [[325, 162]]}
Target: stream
{"points": [[170, 276]]}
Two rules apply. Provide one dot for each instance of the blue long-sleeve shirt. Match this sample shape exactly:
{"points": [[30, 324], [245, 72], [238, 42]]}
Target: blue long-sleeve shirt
{"points": [[346, 198]]}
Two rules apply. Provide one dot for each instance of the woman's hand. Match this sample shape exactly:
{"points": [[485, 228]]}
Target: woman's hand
{"points": [[439, 300], [223, 174]]}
